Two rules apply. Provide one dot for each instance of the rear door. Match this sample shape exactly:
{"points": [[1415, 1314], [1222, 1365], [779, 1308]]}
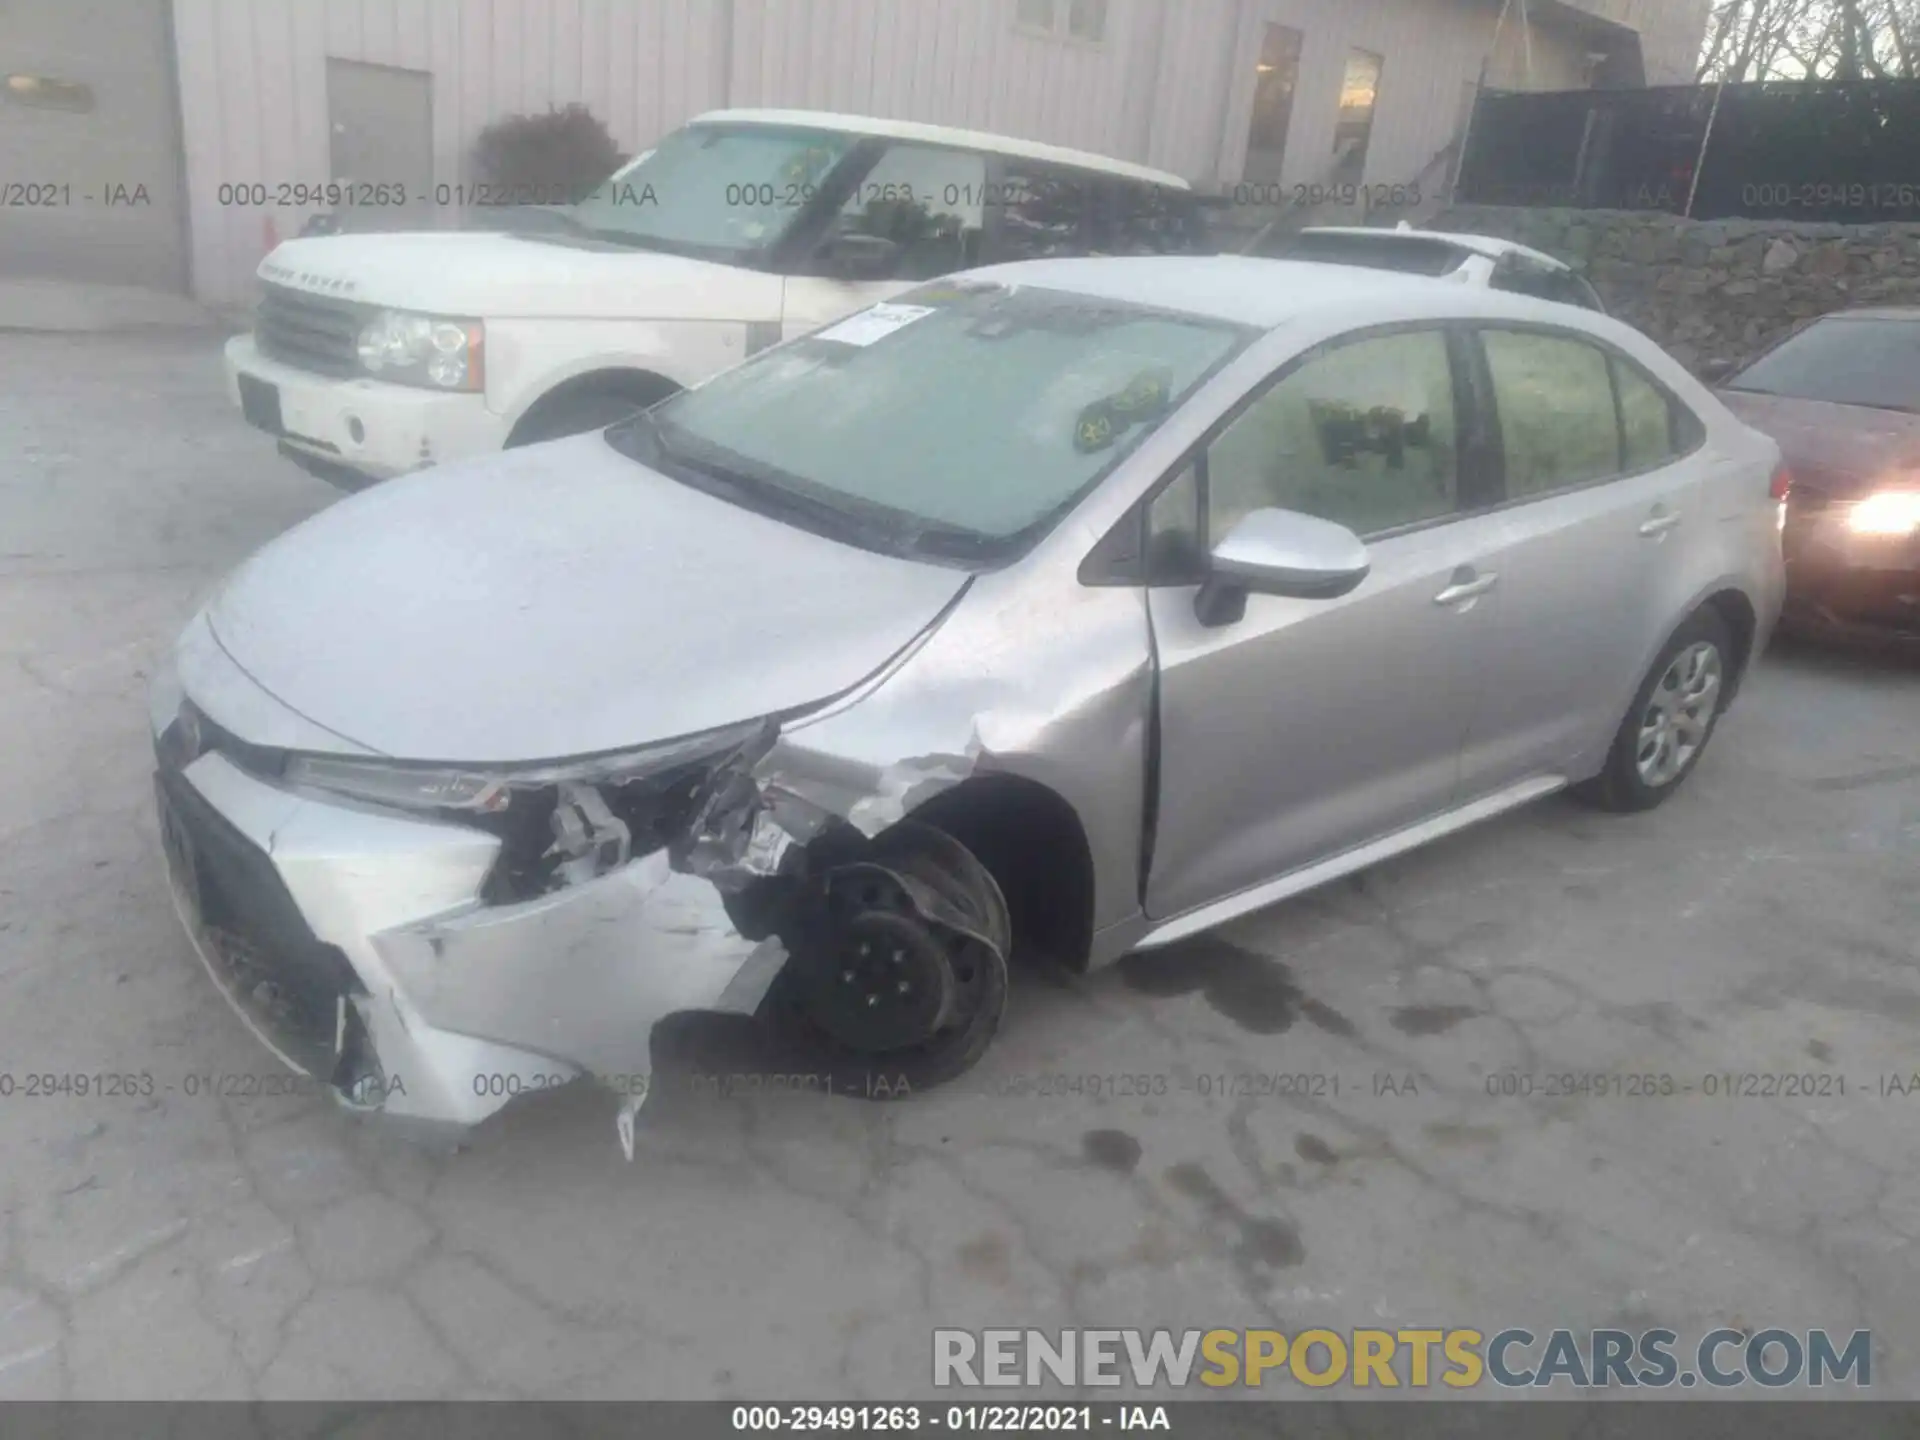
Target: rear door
{"points": [[1307, 727], [1603, 496]]}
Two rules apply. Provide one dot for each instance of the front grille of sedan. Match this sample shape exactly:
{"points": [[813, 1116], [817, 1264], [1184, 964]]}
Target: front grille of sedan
{"points": [[310, 332]]}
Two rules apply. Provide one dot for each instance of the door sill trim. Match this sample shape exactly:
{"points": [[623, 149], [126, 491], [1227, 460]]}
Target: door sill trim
{"points": [[1311, 877]]}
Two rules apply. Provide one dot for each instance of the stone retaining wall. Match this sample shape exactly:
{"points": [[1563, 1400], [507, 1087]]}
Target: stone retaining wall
{"points": [[1718, 289]]}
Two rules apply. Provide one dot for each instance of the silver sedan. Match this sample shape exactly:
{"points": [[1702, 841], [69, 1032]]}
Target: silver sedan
{"points": [[1070, 607]]}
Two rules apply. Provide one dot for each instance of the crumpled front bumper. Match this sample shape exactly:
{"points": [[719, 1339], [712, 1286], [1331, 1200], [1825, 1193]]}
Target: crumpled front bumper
{"points": [[356, 944], [459, 1007]]}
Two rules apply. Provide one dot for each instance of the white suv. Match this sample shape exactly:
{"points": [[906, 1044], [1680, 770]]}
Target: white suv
{"points": [[1482, 260], [376, 354]]}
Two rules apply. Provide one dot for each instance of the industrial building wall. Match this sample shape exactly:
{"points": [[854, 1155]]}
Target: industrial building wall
{"points": [[1168, 82]]}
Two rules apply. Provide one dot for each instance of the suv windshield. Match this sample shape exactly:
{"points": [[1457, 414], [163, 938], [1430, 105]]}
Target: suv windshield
{"points": [[1843, 361], [720, 191], [959, 422]]}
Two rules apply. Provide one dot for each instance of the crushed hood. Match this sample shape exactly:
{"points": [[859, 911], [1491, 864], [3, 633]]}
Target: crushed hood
{"points": [[557, 601], [497, 276], [1838, 449]]}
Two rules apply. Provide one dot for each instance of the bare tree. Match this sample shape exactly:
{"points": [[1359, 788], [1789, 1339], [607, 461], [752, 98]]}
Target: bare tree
{"points": [[1811, 39]]}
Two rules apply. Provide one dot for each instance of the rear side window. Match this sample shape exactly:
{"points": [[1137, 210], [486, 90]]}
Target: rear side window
{"points": [[1554, 395], [1138, 219], [1646, 418], [1037, 211]]}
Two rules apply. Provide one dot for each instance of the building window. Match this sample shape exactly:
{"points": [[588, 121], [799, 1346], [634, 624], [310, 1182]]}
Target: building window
{"points": [[1358, 92], [45, 93], [1276, 76], [1069, 19]]}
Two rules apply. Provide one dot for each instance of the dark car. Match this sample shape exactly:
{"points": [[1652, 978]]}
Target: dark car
{"points": [[1842, 398]]}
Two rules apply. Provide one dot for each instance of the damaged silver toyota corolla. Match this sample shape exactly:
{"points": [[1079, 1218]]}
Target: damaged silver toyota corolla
{"points": [[1075, 605]]}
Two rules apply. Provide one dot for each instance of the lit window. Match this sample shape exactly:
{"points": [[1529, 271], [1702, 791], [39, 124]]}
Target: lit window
{"points": [[46, 93]]}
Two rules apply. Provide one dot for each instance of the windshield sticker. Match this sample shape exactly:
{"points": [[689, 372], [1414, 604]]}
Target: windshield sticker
{"points": [[875, 324]]}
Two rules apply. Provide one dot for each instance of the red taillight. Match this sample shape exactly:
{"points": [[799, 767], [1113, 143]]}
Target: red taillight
{"points": [[1782, 484]]}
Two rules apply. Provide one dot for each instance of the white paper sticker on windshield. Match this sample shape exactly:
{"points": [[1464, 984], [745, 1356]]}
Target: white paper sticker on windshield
{"points": [[875, 324]]}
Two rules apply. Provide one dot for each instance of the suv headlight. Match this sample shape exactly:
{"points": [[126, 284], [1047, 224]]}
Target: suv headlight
{"points": [[428, 350], [483, 790]]}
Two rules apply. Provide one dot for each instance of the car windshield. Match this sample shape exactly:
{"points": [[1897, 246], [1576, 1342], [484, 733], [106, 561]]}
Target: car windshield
{"points": [[957, 422], [721, 191], [1389, 250], [1843, 361]]}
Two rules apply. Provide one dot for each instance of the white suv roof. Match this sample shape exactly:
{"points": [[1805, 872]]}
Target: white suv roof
{"points": [[1490, 246], [945, 135], [1483, 261]]}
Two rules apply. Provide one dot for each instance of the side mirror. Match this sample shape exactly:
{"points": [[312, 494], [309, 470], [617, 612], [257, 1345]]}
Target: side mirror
{"points": [[851, 255], [1279, 552], [1715, 371]]}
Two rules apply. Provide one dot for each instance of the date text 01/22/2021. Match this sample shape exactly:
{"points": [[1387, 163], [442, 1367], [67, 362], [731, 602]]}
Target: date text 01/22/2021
{"points": [[1715, 1085], [1012, 1419]]}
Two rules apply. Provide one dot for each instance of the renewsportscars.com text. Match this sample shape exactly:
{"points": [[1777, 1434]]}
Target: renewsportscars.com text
{"points": [[1456, 1359]]}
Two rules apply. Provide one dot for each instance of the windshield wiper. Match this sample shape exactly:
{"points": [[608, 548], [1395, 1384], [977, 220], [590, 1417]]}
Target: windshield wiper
{"points": [[954, 542], [765, 497]]}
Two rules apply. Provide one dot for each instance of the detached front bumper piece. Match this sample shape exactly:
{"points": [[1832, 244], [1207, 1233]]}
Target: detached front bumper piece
{"points": [[355, 945]]}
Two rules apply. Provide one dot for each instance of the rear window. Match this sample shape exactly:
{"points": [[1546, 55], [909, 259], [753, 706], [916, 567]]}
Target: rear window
{"points": [[1389, 250]]}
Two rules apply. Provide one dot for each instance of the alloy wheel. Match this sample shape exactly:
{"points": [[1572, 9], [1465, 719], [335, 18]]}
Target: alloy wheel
{"points": [[1679, 713]]}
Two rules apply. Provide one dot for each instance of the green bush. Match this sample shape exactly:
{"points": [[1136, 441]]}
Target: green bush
{"points": [[557, 156]]}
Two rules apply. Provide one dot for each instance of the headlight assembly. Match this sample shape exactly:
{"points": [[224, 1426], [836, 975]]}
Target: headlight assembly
{"points": [[484, 790], [427, 350]]}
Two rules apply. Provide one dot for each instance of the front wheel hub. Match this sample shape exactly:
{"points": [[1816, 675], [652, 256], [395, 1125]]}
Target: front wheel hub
{"points": [[885, 982]]}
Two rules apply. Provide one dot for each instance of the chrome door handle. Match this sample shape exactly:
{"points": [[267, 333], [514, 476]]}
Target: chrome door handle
{"points": [[1466, 590], [1660, 523]]}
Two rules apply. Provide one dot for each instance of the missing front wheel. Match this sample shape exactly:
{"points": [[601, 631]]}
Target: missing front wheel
{"points": [[898, 976]]}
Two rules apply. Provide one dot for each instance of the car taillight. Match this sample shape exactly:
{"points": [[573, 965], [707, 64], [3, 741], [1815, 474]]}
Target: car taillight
{"points": [[1782, 484]]}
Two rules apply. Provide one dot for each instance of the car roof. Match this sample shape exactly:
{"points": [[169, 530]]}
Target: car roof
{"points": [[1254, 290], [1490, 246], [945, 135]]}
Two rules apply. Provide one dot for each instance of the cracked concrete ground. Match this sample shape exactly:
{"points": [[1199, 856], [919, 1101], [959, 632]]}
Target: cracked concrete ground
{"points": [[791, 1246]]}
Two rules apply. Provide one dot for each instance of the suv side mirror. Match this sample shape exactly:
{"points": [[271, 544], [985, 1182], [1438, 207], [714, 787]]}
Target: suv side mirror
{"points": [[850, 255], [1280, 552]]}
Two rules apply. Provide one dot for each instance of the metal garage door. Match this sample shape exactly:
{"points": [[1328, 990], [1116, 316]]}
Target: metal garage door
{"points": [[90, 170]]}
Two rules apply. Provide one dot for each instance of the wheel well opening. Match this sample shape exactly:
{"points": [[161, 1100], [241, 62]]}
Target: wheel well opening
{"points": [[1033, 844], [1736, 611], [640, 387]]}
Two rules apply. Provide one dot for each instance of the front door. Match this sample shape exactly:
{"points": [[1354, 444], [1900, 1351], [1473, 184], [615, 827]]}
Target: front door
{"points": [[1601, 508], [1309, 727], [925, 201]]}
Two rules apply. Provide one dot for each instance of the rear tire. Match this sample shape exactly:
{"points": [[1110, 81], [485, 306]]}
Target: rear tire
{"points": [[1673, 716]]}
